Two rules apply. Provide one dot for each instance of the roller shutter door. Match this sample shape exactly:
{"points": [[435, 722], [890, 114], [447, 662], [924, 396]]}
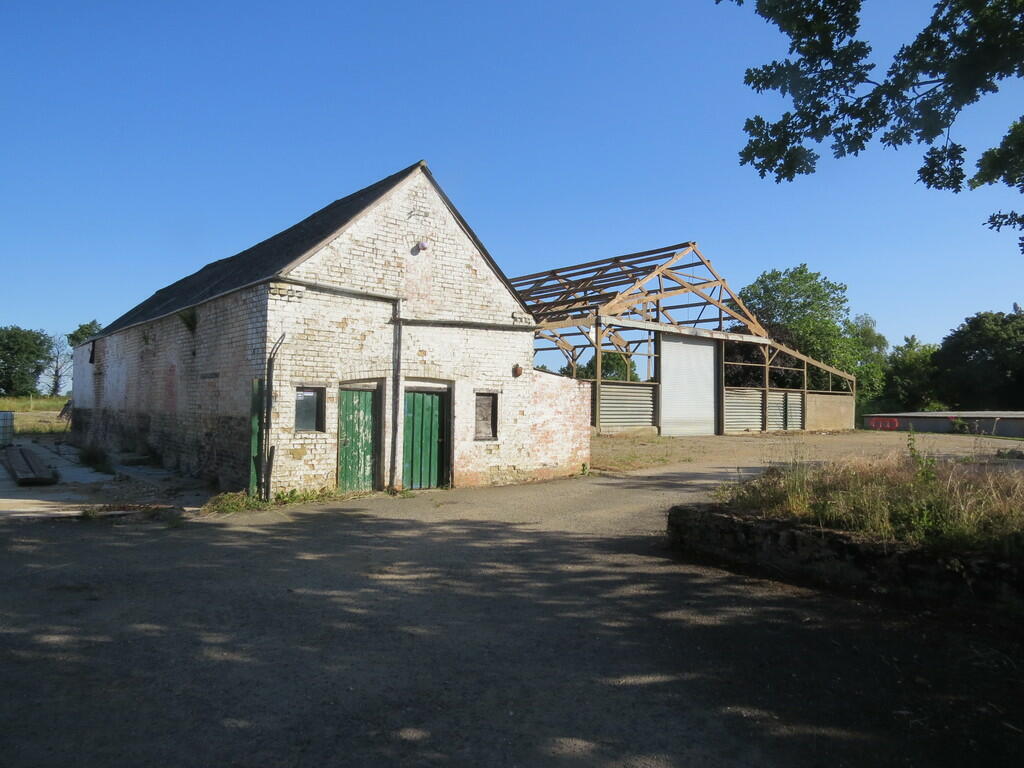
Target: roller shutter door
{"points": [[687, 385]]}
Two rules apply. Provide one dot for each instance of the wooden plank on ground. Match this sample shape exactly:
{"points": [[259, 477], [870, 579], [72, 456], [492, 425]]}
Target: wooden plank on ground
{"points": [[27, 468]]}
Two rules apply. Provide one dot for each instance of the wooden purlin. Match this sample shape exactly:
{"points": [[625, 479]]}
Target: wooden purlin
{"points": [[630, 297], [752, 322], [625, 286], [590, 298], [582, 289]]}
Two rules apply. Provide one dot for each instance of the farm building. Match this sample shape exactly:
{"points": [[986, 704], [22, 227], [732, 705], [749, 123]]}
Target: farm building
{"points": [[374, 344], [654, 307], [997, 423]]}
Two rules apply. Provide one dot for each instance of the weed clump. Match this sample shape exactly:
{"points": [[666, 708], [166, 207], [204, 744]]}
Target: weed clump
{"points": [[239, 501], [906, 498]]}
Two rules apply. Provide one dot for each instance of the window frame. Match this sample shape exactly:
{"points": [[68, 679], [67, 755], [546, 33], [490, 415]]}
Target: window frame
{"points": [[320, 405], [493, 396]]}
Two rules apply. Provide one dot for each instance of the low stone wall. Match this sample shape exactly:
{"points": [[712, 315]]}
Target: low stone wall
{"points": [[842, 559]]}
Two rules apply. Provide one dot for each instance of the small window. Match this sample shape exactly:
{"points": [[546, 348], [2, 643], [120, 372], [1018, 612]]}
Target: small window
{"points": [[309, 409], [486, 416]]}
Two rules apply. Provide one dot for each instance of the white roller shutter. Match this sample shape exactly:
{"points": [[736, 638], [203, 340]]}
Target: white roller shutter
{"points": [[687, 402]]}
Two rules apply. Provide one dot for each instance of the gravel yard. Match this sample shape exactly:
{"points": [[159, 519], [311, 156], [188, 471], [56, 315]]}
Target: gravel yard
{"points": [[526, 626]]}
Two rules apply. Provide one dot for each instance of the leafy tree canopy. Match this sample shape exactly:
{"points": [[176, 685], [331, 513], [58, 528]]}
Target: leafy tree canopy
{"points": [[807, 311], [800, 308], [613, 367], [980, 365], [83, 332], [965, 50], [910, 378], [862, 351], [24, 355]]}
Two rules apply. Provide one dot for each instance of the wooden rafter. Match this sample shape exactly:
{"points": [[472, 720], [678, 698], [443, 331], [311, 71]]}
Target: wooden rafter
{"points": [[607, 303], [635, 285]]}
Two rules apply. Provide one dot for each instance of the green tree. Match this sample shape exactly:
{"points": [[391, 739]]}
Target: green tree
{"points": [[964, 51], [980, 365], [910, 378], [864, 353], [801, 309], [23, 358], [83, 332], [807, 311], [613, 367]]}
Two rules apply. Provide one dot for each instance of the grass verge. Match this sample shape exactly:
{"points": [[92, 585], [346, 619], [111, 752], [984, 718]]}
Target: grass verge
{"points": [[910, 498], [22, 404], [38, 422]]}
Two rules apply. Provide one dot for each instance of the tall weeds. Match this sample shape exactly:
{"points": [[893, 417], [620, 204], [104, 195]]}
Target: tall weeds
{"points": [[909, 498]]}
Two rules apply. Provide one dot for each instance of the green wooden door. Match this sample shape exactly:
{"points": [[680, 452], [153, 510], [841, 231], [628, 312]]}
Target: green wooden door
{"points": [[357, 440], [424, 445]]}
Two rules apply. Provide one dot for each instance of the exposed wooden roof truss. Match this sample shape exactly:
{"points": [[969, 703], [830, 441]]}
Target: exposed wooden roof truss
{"points": [[675, 285], [619, 304]]}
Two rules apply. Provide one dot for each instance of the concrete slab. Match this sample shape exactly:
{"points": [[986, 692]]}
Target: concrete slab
{"points": [[83, 488]]}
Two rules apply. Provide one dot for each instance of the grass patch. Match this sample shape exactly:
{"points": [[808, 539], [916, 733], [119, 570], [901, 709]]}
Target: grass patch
{"points": [[95, 457], [22, 404], [38, 422], [911, 499], [634, 450], [239, 501]]}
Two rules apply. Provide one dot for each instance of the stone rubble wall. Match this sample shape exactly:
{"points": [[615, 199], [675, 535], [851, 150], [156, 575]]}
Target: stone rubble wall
{"points": [[842, 559]]}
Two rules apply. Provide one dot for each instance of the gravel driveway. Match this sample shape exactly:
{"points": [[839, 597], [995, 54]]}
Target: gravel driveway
{"points": [[531, 626]]}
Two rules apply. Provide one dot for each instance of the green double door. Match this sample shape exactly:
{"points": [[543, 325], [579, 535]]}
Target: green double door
{"points": [[357, 440], [425, 444]]}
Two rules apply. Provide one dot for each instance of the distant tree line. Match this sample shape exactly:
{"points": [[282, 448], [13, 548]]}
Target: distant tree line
{"points": [[978, 366], [33, 362]]}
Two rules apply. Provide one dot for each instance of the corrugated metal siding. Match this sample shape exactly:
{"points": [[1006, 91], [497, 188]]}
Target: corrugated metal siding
{"points": [[795, 410], [624, 406], [742, 410], [785, 410], [776, 410], [687, 385]]}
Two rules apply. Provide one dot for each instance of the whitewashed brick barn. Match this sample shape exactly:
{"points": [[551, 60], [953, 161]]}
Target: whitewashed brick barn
{"points": [[397, 355]]}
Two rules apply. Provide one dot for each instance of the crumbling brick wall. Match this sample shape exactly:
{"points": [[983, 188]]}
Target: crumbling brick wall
{"points": [[178, 387], [458, 326]]}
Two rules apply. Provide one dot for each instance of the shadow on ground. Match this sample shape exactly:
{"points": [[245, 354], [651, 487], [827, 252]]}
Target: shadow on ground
{"points": [[352, 637]]}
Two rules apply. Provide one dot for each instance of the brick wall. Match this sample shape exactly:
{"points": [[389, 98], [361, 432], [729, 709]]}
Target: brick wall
{"points": [[185, 396], [543, 420], [182, 396]]}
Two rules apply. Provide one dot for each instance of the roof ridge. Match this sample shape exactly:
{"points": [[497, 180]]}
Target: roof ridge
{"points": [[266, 259]]}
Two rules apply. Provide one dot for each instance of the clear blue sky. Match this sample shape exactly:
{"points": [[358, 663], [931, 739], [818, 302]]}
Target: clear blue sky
{"points": [[143, 140]]}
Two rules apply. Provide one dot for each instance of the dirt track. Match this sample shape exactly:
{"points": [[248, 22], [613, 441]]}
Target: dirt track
{"points": [[539, 625]]}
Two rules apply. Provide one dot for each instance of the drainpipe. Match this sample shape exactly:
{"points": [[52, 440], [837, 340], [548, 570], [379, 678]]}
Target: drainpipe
{"points": [[396, 379], [267, 451]]}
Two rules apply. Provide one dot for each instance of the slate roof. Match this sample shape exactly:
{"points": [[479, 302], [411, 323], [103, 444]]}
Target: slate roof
{"points": [[270, 258]]}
